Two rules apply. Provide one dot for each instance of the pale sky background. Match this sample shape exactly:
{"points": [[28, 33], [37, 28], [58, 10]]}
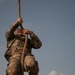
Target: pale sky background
{"points": [[54, 23]]}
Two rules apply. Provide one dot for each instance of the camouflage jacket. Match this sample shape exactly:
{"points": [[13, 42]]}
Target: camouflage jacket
{"points": [[17, 42]]}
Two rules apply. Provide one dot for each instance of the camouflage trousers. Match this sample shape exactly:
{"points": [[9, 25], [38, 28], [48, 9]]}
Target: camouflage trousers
{"points": [[30, 65]]}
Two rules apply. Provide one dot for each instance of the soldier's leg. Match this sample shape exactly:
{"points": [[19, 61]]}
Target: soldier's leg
{"points": [[14, 67], [31, 65], [35, 69]]}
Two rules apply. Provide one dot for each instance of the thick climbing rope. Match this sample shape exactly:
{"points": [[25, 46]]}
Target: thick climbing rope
{"points": [[25, 44]]}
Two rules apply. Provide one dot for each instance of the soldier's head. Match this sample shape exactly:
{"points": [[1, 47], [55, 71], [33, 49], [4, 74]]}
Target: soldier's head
{"points": [[19, 31]]}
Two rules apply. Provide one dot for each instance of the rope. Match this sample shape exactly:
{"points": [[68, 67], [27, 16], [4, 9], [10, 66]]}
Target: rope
{"points": [[25, 44], [22, 58]]}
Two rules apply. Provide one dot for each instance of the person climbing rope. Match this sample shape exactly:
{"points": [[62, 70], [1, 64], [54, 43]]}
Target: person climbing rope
{"points": [[15, 37]]}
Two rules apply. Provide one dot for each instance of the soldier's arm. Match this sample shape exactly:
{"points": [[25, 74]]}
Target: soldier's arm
{"points": [[35, 41], [10, 32]]}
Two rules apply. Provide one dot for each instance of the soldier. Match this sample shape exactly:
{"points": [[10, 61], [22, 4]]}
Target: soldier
{"points": [[15, 37]]}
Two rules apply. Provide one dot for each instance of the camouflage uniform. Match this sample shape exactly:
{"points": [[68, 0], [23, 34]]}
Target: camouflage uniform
{"points": [[14, 50]]}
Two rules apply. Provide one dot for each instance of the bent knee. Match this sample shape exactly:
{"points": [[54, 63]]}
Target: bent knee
{"points": [[10, 71], [29, 61]]}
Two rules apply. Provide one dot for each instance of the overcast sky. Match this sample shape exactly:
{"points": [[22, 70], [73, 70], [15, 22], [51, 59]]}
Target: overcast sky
{"points": [[53, 21]]}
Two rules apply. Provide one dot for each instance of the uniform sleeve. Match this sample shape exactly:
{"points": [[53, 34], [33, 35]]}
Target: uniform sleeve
{"points": [[35, 41], [10, 33]]}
